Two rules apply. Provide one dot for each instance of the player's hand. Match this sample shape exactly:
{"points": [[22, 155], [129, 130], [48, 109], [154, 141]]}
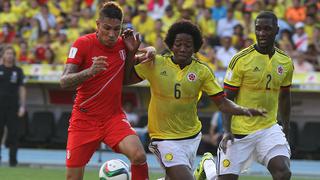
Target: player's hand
{"points": [[131, 41], [21, 111], [98, 64], [227, 136], [146, 54], [255, 112]]}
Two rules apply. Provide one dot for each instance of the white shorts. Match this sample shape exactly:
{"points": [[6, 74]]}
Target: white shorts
{"points": [[260, 146], [176, 152]]}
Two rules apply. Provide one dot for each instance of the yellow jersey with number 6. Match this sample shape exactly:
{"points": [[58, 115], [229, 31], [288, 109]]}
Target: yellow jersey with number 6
{"points": [[172, 112], [259, 80]]}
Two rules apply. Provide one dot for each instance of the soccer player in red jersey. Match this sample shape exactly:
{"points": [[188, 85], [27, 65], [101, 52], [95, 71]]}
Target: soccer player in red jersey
{"points": [[96, 67]]}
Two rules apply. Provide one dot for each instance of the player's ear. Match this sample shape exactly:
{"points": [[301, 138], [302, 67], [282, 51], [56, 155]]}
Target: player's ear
{"points": [[97, 22]]}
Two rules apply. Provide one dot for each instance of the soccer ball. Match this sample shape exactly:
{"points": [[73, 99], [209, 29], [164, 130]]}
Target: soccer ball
{"points": [[114, 169]]}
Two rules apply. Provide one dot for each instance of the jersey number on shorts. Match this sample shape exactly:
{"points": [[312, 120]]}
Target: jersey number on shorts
{"points": [[269, 77], [177, 92]]}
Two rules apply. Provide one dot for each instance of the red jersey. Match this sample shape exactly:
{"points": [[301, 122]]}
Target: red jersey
{"points": [[98, 97]]}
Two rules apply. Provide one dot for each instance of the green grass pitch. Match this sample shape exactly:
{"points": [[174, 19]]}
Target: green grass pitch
{"points": [[27, 173]]}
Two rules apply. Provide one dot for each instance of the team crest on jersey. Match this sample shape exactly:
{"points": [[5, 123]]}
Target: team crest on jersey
{"points": [[122, 54], [280, 70], [192, 77], [226, 163], [168, 156]]}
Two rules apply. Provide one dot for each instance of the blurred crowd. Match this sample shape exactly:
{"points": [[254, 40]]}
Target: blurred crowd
{"points": [[41, 31]]}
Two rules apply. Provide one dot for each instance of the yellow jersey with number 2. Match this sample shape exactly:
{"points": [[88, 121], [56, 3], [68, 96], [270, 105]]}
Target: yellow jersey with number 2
{"points": [[259, 80]]}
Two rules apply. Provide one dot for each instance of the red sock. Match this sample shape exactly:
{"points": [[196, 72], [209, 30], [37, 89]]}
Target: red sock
{"points": [[139, 171]]}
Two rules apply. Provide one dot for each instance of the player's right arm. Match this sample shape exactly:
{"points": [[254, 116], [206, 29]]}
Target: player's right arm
{"points": [[71, 78]]}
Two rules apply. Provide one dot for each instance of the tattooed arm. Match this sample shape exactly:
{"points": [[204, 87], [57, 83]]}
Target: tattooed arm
{"points": [[71, 78]]}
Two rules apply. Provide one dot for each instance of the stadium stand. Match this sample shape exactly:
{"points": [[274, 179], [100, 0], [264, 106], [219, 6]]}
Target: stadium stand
{"points": [[41, 129], [59, 139], [309, 139]]}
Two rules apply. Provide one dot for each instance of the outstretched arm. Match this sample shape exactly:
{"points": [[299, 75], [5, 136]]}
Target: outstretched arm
{"points": [[284, 109], [229, 108]]}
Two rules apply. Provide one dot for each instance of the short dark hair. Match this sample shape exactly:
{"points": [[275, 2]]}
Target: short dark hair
{"points": [[187, 27], [111, 10], [268, 15]]}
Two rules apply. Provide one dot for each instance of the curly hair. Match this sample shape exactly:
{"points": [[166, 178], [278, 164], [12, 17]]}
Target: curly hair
{"points": [[111, 10], [187, 27]]}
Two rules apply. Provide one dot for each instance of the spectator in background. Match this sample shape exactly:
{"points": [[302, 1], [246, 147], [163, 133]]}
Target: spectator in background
{"points": [[238, 37], [285, 43], [226, 51], [156, 8], [300, 38], [152, 37], [23, 53], [301, 65], [169, 17], [207, 25], [7, 33], [226, 25], [13, 100], [6, 15], [219, 11], [295, 13], [60, 47], [73, 30], [309, 27], [313, 56], [142, 23], [46, 19], [248, 24], [49, 56]]}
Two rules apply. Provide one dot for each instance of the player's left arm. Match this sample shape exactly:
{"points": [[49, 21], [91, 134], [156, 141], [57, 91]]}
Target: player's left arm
{"points": [[132, 43], [285, 101], [285, 109]]}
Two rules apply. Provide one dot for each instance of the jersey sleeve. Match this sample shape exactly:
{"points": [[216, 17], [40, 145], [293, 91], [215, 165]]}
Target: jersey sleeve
{"points": [[233, 77], [77, 51], [288, 79], [143, 70], [211, 85]]}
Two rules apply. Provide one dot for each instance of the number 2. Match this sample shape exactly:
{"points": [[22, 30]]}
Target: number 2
{"points": [[269, 77]]}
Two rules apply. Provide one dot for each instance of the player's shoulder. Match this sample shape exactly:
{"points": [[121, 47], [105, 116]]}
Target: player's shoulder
{"points": [[86, 38], [241, 55], [203, 67], [283, 55], [200, 64]]}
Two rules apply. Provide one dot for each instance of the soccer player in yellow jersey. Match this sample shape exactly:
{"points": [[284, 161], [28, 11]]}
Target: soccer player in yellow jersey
{"points": [[176, 82], [259, 76]]}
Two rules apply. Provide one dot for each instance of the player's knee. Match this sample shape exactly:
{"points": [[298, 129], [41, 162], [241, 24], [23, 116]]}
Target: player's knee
{"points": [[139, 157], [283, 174]]}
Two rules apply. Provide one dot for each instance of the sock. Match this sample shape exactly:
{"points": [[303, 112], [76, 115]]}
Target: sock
{"points": [[139, 171], [210, 169]]}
